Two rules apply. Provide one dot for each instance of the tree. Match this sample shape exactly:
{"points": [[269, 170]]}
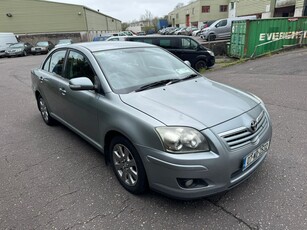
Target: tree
{"points": [[124, 26], [147, 17]]}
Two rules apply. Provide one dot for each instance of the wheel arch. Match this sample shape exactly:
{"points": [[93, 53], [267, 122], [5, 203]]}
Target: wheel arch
{"points": [[37, 95], [107, 141]]}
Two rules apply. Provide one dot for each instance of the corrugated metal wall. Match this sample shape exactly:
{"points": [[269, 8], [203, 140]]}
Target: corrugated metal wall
{"points": [[36, 16], [257, 37], [26, 16]]}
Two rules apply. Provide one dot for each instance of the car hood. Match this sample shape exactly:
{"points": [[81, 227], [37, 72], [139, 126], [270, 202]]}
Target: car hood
{"points": [[13, 48], [198, 103]]}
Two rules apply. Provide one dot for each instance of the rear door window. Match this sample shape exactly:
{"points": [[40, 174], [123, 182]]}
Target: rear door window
{"points": [[188, 43]]}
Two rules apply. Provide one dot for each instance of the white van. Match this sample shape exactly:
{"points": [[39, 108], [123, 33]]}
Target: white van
{"points": [[221, 29], [6, 39]]}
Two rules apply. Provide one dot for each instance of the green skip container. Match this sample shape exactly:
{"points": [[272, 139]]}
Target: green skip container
{"points": [[253, 38]]}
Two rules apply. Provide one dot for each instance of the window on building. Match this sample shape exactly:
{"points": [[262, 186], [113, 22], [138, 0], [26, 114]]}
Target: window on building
{"points": [[223, 8], [193, 10], [205, 9], [177, 16]]}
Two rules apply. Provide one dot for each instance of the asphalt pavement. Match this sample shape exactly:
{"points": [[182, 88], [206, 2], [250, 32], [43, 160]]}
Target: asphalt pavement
{"points": [[51, 179]]}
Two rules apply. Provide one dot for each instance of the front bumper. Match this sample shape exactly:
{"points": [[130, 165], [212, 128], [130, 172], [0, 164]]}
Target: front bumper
{"points": [[210, 61], [39, 51], [212, 172], [11, 54], [2, 53]]}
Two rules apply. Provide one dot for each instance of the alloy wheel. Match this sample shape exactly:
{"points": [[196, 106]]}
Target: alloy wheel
{"points": [[125, 165]]}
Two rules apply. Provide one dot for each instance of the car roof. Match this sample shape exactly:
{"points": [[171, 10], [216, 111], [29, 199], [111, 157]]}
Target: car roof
{"points": [[109, 45]]}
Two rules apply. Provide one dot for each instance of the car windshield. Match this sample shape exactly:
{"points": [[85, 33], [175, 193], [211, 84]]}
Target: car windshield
{"points": [[129, 69], [17, 45], [42, 44]]}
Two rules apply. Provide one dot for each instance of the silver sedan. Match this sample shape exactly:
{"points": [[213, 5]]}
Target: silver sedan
{"points": [[160, 124]]}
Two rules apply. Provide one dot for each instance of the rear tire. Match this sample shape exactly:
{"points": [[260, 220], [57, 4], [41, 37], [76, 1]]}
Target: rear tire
{"points": [[127, 165], [44, 111]]}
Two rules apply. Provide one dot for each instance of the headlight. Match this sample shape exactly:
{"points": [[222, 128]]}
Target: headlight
{"points": [[211, 53], [182, 139]]}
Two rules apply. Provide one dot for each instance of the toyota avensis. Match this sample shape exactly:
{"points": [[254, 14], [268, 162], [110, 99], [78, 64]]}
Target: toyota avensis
{"points": [[159, 123]]}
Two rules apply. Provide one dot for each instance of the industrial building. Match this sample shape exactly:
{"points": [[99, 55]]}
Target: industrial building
{"points": [[37, 19], [199, 11]]}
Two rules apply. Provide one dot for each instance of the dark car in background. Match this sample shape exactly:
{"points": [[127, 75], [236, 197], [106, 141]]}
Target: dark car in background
{"points": [[184, 47], [18, 49], [42, 47]]}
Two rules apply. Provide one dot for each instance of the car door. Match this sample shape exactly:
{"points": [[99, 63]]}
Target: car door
{"points": [[170, 43], [188, 50], [49, 76], [78, 109]]}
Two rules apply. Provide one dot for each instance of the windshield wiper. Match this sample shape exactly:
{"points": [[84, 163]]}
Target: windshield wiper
{"points": [[156, 84], [185, 78]]}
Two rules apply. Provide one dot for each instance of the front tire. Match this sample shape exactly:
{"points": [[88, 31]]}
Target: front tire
{"points": [[200, 65], [127, 165], [211, 37], [44, 111]]}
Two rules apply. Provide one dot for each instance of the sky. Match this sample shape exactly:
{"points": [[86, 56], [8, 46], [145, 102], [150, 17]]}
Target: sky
{"points": [[128, 10]]}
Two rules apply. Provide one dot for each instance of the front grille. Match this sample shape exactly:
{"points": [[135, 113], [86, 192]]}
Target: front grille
{"points": [[243, 136]]}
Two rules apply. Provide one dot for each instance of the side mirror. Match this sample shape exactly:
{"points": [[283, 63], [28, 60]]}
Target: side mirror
{"points": [[187, 63], [81, 83]]}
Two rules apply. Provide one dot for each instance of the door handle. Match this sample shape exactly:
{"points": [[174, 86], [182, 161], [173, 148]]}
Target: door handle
{"points": [[63, 91]]}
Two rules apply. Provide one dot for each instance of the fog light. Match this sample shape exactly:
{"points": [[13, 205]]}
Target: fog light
{"points": [[188, 183]]}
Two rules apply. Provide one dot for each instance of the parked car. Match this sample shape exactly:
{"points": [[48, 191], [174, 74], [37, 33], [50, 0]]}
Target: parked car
{"points": [[141, 33], [103, 37], [190, 30], [42, 47], [18, 49], [64, 42], [118, 38], [184, 47], [6, 39], [159, 123], [180, 31], [221, 29]]}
